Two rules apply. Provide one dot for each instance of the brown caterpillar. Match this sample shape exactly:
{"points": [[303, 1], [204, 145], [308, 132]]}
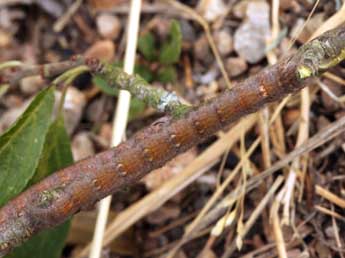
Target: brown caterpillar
{"points": [[74, 188]]}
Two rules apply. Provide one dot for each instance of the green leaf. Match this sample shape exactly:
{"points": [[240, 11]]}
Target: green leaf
{"points": [[146, 46], [22, 144], [144, 72], [167, 74], [136, 108], [56, 155], [102, 84], [171, 50]]}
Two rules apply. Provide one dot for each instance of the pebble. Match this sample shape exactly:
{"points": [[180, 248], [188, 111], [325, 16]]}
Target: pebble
{"points": [[104, 50], [250, 37], [74, 104], [160, 216], [289, 4], [82, 146], [239, 9], [224, 42], [10, 116], [202, 51], [235, 66], [109, 26], [188, 31], [32, 84], [212, 9]]}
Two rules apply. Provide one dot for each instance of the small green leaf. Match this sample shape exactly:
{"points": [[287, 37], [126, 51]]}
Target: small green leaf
{"points": [[102, 84], [146, 46], [144, 72], [167, 74], [171, 50], [22, 144], [136, 108], [56, 154]]}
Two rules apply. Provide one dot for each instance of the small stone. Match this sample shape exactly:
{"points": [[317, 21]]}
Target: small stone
{"points": [[103, 50], [289, 4], [291, 116], [5, 39], [250, 37], [98, 109], [235, 66], [9, 117], [212, 9], [188, 31], [329, 231], [160, 216], [54, 8], [82, 146], [32, 84], [239, 10], [202, 50], [224, 42], [106, 131], [74, 104], [109, 26]]}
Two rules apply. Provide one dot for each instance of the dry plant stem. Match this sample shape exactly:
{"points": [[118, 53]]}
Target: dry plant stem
{"points": [[330, 196], [63, 20], [46, 70], [330, 212], [256, 213], [317, 140], [158, 98], [76, 187], [10, 64], [120, 120]]}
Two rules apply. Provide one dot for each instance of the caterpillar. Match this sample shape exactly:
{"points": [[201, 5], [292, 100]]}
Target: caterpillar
{"points": [[75, 188]]}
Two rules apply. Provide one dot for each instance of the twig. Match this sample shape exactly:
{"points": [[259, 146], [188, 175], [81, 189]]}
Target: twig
{"points": [[62, 21], [46, 71], [330, 196], [10, 64], [256, 213], [69, 190], [162, 100]]}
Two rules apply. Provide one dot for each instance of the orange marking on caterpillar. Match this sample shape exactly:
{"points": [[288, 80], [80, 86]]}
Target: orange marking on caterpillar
{"points": [[263, 90]]}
